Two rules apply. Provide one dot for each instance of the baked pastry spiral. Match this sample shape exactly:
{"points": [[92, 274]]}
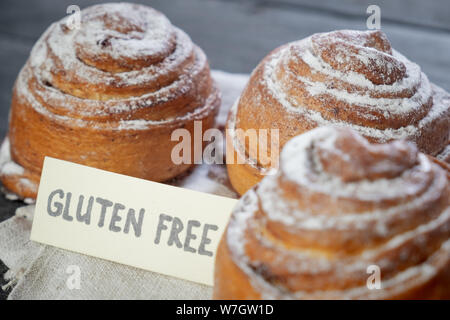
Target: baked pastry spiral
{"points": [[108, 94], [344, 78], [337, 205]]}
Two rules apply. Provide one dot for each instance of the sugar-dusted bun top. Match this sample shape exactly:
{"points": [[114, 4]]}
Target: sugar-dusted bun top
{"points": [[331, 172], [337, 205], [123, 37], [366, 53], [346, 78], [125, 66], [343, 154], [356, 76]]}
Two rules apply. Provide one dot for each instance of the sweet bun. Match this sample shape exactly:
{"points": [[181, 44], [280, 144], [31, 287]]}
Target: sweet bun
{"points": [[338, 209], [108, 94], [344, 78]]}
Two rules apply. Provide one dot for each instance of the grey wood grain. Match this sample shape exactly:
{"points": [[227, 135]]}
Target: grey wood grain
{"points": [[431, 13]]}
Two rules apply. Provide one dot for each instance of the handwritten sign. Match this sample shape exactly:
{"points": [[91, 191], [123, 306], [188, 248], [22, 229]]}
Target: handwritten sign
{"points": [[132, 221]]}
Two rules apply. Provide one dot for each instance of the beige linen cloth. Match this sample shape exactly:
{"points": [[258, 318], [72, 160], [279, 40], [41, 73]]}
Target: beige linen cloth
{"points": [[41, 272]]}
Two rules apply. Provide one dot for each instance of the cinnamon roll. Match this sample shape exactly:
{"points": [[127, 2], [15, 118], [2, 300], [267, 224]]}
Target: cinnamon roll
{"points": [[108, 94], [338, 208], [344, 78]]}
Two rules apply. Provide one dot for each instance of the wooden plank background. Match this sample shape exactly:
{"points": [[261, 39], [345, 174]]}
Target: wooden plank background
{"points": [[430, 14], [236, 35]]}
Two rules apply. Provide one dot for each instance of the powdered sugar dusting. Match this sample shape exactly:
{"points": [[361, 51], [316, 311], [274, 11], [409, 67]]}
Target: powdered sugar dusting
{"points": [[140, 32]]}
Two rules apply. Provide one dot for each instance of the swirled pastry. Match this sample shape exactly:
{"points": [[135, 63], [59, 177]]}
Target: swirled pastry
{"points": [[345, 78], [338, 207], [108, 93]]}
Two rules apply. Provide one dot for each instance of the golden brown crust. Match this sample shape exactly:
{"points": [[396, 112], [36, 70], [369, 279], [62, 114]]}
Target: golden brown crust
{"points": [[337, 206], [109, 95], [344, 78]]}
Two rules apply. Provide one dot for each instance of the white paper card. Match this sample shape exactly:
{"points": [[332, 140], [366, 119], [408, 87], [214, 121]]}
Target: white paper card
{"points": [[132, 221]]}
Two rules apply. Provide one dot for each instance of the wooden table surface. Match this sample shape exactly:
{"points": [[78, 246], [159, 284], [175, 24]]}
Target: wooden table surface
{"points": [[236, 35]]}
